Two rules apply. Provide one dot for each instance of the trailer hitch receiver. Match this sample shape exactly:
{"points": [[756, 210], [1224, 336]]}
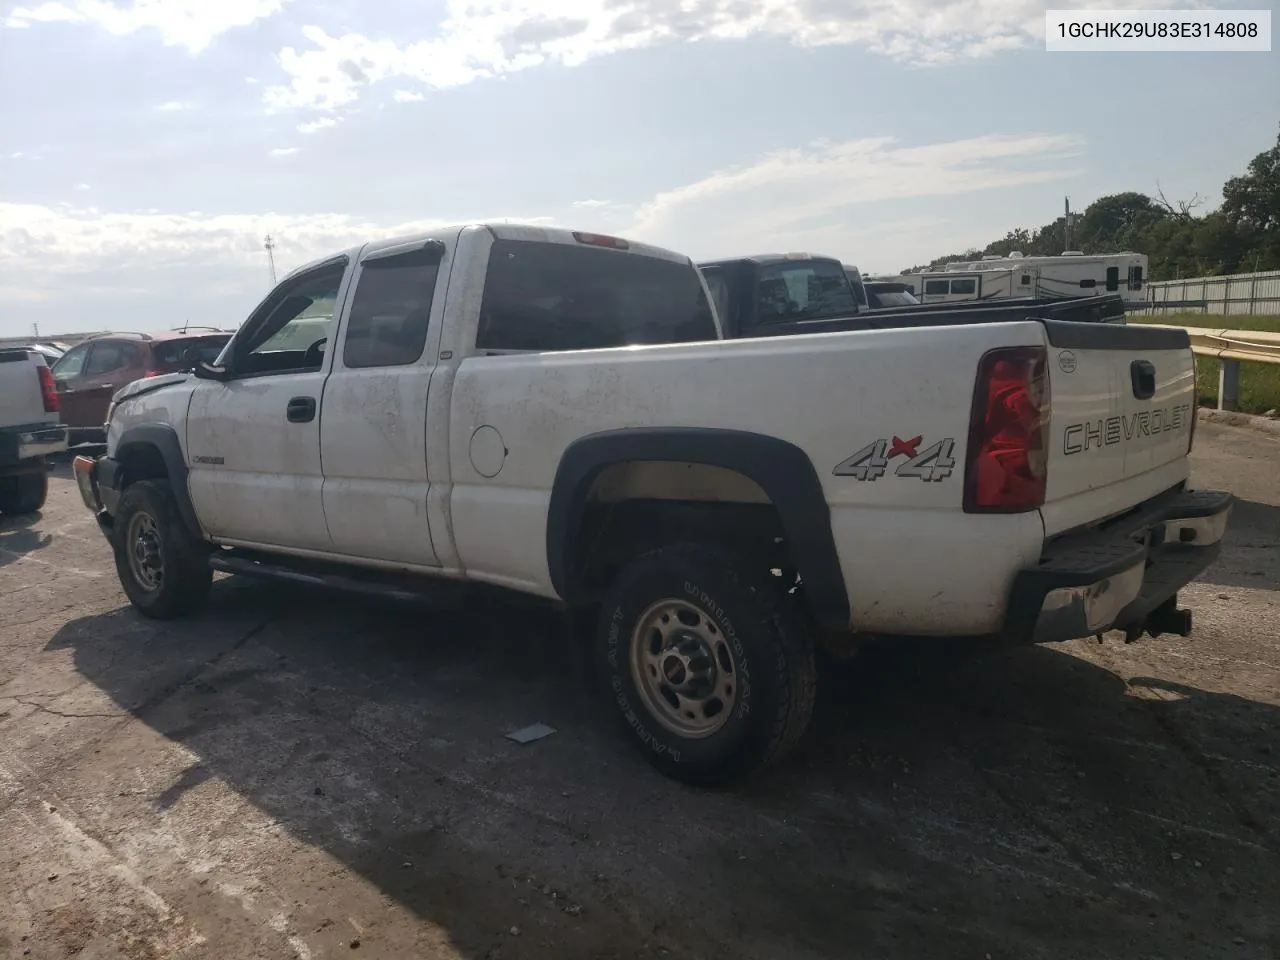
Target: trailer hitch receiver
{"points": [[1166, 618]]}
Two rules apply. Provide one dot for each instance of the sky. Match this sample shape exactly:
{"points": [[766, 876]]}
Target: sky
{"points": [[148, 146]]}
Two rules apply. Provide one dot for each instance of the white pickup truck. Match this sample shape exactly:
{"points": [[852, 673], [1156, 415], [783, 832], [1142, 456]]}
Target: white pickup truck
{"points": [[555, 413], [30, 429]]}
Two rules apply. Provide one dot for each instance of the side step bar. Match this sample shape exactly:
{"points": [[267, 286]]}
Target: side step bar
{"points": [[403, 587]]}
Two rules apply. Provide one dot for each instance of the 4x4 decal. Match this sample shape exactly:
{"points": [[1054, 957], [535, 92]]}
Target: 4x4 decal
{"points": [[931, 465]]}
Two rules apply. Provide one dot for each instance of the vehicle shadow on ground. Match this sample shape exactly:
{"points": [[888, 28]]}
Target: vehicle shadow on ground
{"points": [[20, 536], [1253, 538], [1024, 802]]}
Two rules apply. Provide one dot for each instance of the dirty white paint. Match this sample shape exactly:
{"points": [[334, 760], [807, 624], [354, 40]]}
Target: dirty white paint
{"points": [[389, 474]]}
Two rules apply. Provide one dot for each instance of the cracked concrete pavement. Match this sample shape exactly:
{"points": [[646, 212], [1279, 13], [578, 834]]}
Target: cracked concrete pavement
{"points": [[301, 775]]}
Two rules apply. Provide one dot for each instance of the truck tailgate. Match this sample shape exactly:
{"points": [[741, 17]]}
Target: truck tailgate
{"points": [[21, 399], [1123, 406]]}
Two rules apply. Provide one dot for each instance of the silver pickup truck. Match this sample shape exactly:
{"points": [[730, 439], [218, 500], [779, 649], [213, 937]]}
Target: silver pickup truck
{"points": [[30, 430]]}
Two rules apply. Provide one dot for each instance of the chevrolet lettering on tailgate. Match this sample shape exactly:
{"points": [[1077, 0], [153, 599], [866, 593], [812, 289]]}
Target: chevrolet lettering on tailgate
{"points": [[1093, 434]]}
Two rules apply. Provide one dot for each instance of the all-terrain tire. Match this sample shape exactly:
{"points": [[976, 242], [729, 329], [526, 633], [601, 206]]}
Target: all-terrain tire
{"points": [[24, 493], [769, 677], [148, 527]]}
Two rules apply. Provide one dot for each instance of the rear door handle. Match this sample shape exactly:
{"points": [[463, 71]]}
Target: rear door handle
{"points": [[1142, 374], [301, 410]]}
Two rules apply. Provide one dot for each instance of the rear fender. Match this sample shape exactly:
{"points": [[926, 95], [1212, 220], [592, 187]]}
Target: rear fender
{"points": [[782, 470]]}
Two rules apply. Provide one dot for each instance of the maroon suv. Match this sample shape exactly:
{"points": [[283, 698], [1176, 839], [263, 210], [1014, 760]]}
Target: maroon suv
{"points": [[90, 373]]}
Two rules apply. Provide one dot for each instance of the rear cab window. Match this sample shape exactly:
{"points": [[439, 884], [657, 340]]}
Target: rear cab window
{"points": [[803, 290], [545, 297]]}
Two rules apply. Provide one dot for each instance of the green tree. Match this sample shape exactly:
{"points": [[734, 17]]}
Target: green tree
{"points": [[1253, 200], [1243, 236]]}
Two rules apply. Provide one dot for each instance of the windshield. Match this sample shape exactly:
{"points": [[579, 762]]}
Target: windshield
{"points": [[804, 290]]}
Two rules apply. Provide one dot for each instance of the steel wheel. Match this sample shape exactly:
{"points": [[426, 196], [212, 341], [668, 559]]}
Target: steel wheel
{"points": [[684, 669], [142, 541]]}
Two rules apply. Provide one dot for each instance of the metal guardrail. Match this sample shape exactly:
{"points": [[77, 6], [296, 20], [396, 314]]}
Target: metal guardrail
{"points": [[1232, 347]]}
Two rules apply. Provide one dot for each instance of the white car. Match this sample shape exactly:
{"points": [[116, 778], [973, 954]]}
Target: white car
{"points": [[555, 413]]}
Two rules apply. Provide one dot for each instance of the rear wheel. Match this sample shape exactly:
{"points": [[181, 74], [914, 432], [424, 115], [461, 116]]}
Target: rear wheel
{"points": [[706, 664], [24, 493], [163, 569]]}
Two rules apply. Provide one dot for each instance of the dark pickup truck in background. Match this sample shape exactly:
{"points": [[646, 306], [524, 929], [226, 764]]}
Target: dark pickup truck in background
{"points": [[771, 295]]}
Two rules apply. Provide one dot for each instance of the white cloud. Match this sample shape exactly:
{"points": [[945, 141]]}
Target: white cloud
{"points": [[408, 96], [139, 268], [191, 24], [283, 151], [588, 204], [490, 38], [803, 198], [82, 187], [320, 123], [173, 106]]}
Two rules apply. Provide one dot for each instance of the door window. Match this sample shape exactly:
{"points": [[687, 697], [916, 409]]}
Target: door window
{"points": [[108, 357], [71, 363], [387, 326], [289, 332]]}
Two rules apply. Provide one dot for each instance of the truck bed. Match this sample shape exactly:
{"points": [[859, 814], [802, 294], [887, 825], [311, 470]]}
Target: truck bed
{"points": [[1093, 309]]}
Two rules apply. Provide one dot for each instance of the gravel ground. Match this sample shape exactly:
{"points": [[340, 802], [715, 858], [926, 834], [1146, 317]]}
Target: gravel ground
{"points": [[298, 775]]}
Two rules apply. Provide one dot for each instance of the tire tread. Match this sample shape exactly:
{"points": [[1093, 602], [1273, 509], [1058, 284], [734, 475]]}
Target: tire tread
{"points": [[793, 670]]}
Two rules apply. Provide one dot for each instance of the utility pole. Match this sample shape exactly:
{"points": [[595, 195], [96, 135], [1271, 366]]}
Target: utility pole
{"points": [[1066, 223], [270, 246]]}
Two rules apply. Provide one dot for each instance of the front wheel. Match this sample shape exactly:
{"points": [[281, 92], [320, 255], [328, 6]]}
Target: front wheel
{"points": [[163, 569], [706, 664]]}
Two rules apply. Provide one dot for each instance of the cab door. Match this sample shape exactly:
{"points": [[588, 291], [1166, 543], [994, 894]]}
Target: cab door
{"points": [[373, 429], [253, 438], [69, 376], [112, 364]]}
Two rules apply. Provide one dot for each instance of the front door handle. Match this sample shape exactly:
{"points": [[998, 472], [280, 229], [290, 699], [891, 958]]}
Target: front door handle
{"points": [[301, 410]]}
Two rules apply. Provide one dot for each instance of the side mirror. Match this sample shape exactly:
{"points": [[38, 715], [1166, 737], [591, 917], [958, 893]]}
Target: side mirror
{"points": [[207, 371]]}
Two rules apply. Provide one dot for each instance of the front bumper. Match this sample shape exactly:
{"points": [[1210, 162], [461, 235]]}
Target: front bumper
{"points": [[24, 444], [96, 480], [1118, 576]]}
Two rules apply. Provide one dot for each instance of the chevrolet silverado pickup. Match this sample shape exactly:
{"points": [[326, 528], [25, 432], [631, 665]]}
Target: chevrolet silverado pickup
{"points": [[30, 430], [771, 295], [558, 413]]}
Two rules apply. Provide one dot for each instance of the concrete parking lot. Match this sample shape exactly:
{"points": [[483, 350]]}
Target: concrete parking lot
{"points": [[300, 775]]}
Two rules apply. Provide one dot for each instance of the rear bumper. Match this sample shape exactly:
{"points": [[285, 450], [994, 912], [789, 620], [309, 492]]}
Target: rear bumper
{"points": [[1115, 577], [21, 444]]}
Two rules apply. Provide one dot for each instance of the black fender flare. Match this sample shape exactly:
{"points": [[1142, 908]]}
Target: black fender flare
{"points": [[165, 441], [781, 469]]}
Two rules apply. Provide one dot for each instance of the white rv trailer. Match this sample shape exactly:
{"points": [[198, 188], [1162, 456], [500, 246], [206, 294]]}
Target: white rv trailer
{"points": [[942, 286], [1072, 274]]}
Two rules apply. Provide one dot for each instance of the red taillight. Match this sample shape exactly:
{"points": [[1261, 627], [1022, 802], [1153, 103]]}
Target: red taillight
{"points": [[1006, 461], [150, 373], [600, 240], [48, 390]]}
